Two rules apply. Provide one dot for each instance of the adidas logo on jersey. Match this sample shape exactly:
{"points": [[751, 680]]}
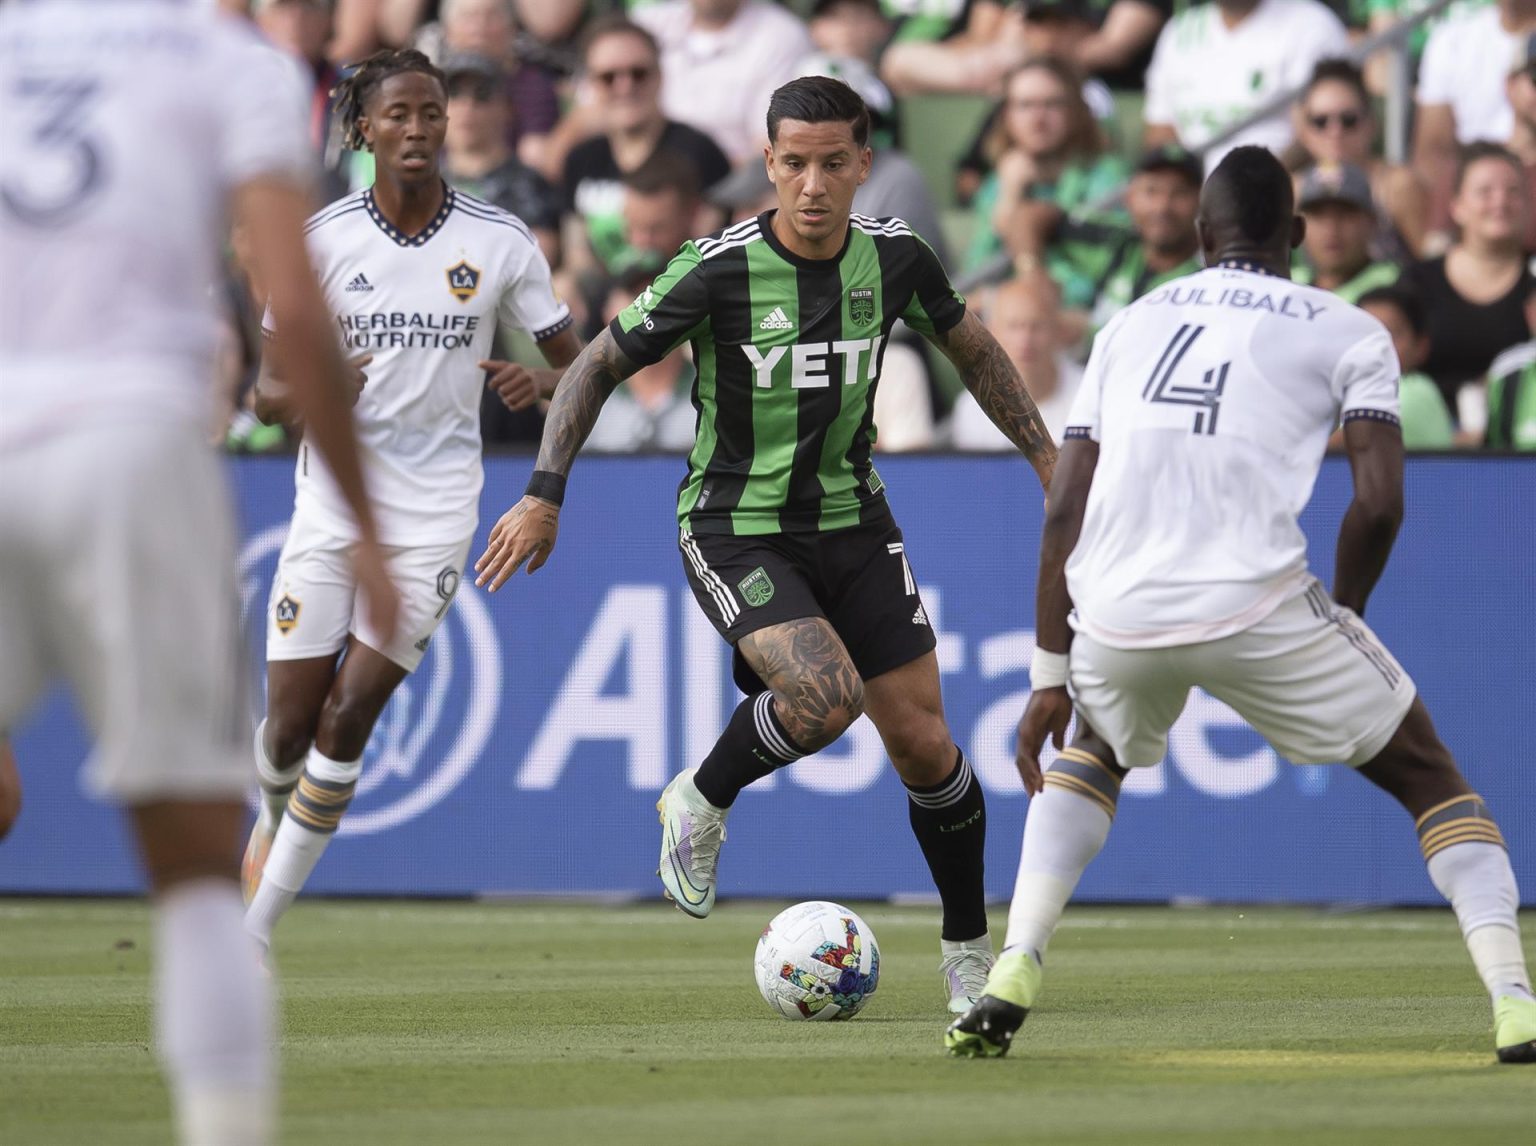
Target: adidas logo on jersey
{"points": [[776, 320], [920, 617], [360, 283]]}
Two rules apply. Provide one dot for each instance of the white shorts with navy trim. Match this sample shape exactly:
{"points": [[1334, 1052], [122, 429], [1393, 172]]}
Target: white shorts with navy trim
{"points": [[1311, 678]]}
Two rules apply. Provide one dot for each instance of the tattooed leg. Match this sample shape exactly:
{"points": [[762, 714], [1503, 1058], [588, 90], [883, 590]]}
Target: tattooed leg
{"points": [[815, 694], [817, 691]]}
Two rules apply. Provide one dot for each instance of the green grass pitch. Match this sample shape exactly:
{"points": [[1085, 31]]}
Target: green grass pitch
{"points": [[426, 1023]]}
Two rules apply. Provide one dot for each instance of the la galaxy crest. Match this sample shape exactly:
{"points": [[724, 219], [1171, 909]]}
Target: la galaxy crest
{"points": [[861, 306], [286, 614], [463, 280]]}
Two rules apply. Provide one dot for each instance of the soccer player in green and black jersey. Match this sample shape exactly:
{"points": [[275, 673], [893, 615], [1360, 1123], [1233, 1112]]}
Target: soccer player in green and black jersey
{"points": [[785, 533]]}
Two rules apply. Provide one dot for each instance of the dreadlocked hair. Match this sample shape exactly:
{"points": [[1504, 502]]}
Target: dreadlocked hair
{"points": [[353, 92]]}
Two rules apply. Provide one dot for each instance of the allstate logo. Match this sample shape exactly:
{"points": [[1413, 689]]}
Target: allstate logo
{"points": [[438, 722]]}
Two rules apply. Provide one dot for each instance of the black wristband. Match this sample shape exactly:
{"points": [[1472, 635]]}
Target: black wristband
{"points": [[546, 486]]}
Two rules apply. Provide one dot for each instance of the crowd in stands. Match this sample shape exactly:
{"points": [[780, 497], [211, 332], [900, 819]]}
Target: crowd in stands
{"points": [[1050, 151]]}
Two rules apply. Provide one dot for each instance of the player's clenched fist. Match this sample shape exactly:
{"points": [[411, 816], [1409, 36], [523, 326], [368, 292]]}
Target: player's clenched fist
{"points": [[526, 532], [515, 385]]}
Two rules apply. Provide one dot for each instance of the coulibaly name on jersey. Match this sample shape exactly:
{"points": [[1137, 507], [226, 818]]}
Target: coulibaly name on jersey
{"points": [[1288, 305], [811, 363], [399, 330]]}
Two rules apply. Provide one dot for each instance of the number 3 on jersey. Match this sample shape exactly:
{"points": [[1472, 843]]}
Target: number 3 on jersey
{"points": [[65, 166], [1206, 397]]}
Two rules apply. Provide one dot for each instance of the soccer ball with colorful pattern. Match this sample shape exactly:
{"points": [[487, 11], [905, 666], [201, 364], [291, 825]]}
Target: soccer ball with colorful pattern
{"points": [[817, 961]]}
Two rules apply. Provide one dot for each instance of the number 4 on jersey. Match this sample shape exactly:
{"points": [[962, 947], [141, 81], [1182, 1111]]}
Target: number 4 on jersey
{"points": [[1206, 397]]}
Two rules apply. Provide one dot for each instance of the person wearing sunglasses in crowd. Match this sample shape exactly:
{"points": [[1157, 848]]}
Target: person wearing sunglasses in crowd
{"points": [[622, 65], [1336, 128]]}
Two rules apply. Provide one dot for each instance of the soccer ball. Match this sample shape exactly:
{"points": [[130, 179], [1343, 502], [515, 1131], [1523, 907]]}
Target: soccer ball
{"points": [[817, 961]]}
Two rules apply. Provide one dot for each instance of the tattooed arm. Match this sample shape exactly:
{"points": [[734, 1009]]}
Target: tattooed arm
{"points": [[527, 531], [989, 374]]}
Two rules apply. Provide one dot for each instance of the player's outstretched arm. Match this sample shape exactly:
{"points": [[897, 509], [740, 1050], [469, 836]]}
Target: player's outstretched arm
{"points": [[989, 374], [527, 531], [273, 212], [1370, 525], [1050, 708]]}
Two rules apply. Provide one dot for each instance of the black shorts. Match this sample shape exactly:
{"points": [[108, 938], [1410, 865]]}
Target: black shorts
{"points": [[857, 578]]}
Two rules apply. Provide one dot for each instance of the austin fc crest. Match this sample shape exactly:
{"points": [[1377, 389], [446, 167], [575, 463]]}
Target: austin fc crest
{"points": [[861, 306], [286, 614], [463, 281]]}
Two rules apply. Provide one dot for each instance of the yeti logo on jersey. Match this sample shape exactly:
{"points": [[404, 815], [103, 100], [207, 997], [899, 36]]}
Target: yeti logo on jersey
{"points": [[286, 614], [861, 306], [463, 281], [756, 588]]}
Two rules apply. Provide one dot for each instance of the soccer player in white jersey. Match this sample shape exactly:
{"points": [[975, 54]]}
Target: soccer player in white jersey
{"points": [[1172, 532], [131, 131], [417, 277]]}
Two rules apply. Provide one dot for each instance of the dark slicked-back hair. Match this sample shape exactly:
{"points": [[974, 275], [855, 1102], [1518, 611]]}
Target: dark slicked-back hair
{"points": [[1249, 193], [819, 99], [353, 93]]}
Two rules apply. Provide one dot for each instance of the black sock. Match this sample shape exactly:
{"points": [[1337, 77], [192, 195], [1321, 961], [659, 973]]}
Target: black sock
{"points": [[950, 823], [753, 744]]}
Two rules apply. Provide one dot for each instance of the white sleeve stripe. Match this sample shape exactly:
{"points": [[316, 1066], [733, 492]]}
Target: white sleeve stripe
{"points": [[728, 235], [731, 246], [494, 215], [334, 209]]}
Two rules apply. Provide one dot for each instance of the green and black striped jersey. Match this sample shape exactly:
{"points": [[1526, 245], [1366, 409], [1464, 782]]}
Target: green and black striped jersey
{"points": [[788, 351]]}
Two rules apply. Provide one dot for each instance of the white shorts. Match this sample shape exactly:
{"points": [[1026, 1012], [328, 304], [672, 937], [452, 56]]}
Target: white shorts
{"points": [[117, 574], [315, 601], [1311, 678]]}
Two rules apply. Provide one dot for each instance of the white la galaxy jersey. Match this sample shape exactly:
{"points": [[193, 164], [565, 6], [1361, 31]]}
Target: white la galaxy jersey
{"points": [[127, 125], [426, 307], [1212, 399]]}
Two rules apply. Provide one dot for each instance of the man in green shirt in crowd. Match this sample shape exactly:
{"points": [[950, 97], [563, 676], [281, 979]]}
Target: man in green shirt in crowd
{"points": [[1426, 422], [1512, 392], [1341, 222], [1113, 264]]}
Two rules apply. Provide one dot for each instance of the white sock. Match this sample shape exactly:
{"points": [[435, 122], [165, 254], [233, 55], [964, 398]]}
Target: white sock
{"points": [[1479, 882], [213, 1018], [314, 811], [276, 783], [1062, 834]]}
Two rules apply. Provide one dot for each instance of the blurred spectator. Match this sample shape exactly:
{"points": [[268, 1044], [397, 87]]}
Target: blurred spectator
{"points": [[302, 28], [1521, 88], [1476, 292], [1113, 265], [1109, 39], [485, 28], [1024, 316], [1341, 222], [1050, 162], [1426, 421], [851, 29], [623, 65], [1217, 63], [1462, 94], [478, 160], [958, 47], [1511, 400], [653, 408], [660, 212], [720, 61], [1334, 126]]}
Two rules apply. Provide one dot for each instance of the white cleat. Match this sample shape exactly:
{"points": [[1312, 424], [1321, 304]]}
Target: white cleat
{"points": [[692, 830], [965, 967]]}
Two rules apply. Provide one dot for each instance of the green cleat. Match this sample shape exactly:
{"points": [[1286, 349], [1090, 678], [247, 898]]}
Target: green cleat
{"points": [[987, 1029], [1514, 1029]]}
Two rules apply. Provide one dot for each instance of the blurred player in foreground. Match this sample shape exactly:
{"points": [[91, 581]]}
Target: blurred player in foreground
{"points": [[787, 539], [131, 130], [417, 276], [1172, 531]]}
